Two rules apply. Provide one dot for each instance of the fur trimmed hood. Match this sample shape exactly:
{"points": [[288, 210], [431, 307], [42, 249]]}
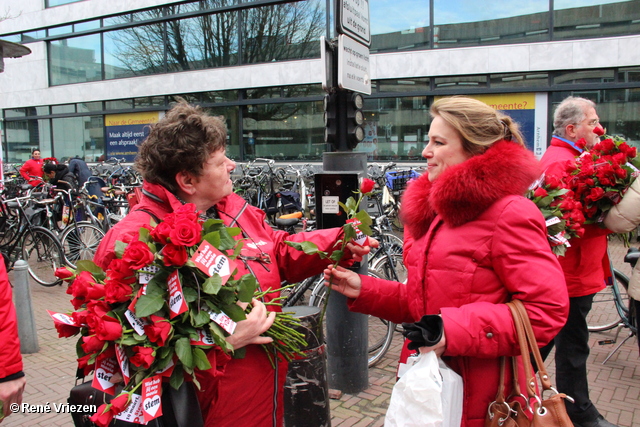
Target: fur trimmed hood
{"points": [[464, 191]]}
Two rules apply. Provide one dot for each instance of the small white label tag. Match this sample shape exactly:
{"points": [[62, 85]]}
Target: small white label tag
{"points": [[330, 204]]}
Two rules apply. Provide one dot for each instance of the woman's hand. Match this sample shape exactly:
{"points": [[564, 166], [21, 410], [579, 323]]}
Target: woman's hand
{"points": [[347, 282], [358, 252], [438, 348], [11, 393], [257, 322]]}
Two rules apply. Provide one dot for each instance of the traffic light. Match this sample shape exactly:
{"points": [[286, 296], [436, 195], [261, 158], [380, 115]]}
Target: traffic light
{"points": [[355, 119], [330, 118]]}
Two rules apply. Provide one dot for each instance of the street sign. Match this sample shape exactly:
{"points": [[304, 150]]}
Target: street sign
{"points": [[353, 66], [326, 57], [353, 20]]}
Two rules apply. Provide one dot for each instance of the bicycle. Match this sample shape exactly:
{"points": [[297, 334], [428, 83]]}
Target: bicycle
{"points": [[38, 246]]}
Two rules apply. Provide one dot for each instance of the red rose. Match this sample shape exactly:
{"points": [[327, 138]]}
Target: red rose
{"points": [[158, 330], [83, 363], [186, 232], [367, 186], [552, 182], [143, 356], [137, 255], [581, 143], [119, 403], [121, 270], [80, 286], [596, 193], [80, 317], [174, 255], [65, 330], [116, 291], [540, 192], [91, 344], [608, 145], [97, 308], [95, 292], [103, 417], [162, 232], [105, 328], [187, 211], [64, 273]]}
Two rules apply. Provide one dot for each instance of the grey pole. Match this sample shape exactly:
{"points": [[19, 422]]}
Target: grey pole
{"points": [[24, 308]]}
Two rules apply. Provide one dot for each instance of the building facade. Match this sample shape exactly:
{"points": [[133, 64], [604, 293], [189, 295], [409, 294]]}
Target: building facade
{"points": [[100, 72]]}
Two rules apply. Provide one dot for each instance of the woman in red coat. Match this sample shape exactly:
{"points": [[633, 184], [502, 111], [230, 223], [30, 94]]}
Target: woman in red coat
{"points": [[472, 243], [33, 167]]}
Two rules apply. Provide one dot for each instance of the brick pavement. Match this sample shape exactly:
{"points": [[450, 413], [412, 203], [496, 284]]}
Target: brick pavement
{"points": [[615, 386]]}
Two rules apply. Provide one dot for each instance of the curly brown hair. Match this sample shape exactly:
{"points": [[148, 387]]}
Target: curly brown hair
{"points": [[182, 141]]}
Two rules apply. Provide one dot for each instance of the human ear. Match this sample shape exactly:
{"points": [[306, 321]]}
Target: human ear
{"points": [[571, 131], [185, 182]]}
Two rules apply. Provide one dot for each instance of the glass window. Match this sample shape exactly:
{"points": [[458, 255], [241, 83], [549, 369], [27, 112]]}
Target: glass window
{"points": [[391, 30], [52, 3], [575, 19], [116, 20], [463, 23], [85, 26], [33, 35], [15, 112], [89, 106], [75, 60], [56, 31], [206, 41], [403, 85], [149, 101], [14, 38], [219, 96], [519, 80], [629, 75], [65, 108], [42, 111], [120, 104], [283, 31], [230, 115], [134, 51], [290, 131], [78, 136], [460, 82], [25, 135], [586, 76], [395, 128]]}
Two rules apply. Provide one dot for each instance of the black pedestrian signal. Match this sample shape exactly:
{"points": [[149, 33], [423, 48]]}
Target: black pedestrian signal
{"points": [[330, 118], [355, 120]]}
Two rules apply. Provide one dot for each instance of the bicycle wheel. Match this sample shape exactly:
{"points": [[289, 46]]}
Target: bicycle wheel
{"points": [[300, 293], [605, 313], [80, 241], [380, 331], [43, 252], [390, 267]]}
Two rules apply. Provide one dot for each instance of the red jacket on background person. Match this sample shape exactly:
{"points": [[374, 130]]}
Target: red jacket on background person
{"points": [[10, 357], [32, 167], [586, 263], [472, 243], [244, 391]]}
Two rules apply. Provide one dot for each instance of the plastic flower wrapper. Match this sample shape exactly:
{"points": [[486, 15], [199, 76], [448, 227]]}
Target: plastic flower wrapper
{"points": [[600, 177], [563, 215], [356, 229], [167, 299]]}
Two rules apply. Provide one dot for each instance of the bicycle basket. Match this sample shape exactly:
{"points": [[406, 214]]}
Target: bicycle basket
{"points": [[397, 180]]}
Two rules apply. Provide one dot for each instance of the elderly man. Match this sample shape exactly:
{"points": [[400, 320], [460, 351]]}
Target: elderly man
{"points": [[576, 128]]}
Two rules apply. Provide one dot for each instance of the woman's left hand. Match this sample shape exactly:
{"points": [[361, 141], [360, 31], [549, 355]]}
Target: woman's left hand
{"points": [[438, 348], [358, 252]]}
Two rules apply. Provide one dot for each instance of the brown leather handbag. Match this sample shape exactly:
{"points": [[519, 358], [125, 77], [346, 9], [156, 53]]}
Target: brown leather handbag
{"points": [[549, 412]]}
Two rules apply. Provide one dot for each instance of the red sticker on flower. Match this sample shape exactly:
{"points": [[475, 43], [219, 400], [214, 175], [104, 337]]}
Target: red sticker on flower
{"points": [[123, 362], [61, 318], [204, 338], [168, 370], [177, 303], [211, 261], [151, 397], [105, 368], [360, 238], [133, 412]]}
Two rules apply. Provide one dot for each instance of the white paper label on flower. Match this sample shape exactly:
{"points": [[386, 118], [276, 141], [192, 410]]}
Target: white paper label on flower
{"points": [[105, 369], [168, 370], [330, 204], [177, 303], [211, 261], [123, 361], [136, 323], [552, 221], [62, 318], [133, 411], [204, 338], [360, 236], [222, 320], [151, 397], [146, 274]]}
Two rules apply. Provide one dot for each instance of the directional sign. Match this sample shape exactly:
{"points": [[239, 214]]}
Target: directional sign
{"points": [[353, 65], [326, 57], [353, 19]]}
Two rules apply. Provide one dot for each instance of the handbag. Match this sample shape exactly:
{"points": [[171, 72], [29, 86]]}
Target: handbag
{"points": [[549, 412], [180, 407]]}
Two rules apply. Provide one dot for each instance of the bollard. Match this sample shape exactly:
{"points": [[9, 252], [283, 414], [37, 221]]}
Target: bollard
{"points": [[24, 309], [306, 393]]}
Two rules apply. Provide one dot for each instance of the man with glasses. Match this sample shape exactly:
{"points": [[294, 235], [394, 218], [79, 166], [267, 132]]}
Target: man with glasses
{"points": [[576, 129]]}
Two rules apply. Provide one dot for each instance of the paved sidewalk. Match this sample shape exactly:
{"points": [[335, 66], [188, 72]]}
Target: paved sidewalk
{"points": [[615, 386]]}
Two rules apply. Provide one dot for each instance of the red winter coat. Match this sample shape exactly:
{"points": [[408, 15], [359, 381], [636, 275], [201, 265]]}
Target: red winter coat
{"points": [[585, 263], [10, 358], [32, 167], [472, 243], [246, 391]]}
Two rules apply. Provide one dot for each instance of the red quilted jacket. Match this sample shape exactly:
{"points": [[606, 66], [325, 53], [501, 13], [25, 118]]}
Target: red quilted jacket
{"points": [[10, 358]]}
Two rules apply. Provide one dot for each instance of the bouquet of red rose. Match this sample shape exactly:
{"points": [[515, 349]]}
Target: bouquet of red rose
{"points": [[562, 213], [167, 299], [600, 177]]}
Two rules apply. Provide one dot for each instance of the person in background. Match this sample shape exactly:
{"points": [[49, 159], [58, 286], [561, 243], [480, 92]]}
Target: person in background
{"points": [[576, 125], [60, 176], [80, 170], [472, 241], [12, 379], [183, 160], [624, 218], [33, 167]]}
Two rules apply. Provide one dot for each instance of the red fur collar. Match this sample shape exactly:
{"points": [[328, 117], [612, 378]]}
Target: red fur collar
{"points": [[462, 192]]}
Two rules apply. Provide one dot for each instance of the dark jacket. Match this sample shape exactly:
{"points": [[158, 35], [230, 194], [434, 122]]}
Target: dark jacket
{"points": [[472, 243], [63, 179], [80, 170]]}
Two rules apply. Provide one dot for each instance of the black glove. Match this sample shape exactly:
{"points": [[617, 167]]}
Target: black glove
{"points": [[425, 333]]}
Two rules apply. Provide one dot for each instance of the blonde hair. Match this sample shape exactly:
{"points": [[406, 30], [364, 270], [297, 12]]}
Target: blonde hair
{"points": [[479, 125]]}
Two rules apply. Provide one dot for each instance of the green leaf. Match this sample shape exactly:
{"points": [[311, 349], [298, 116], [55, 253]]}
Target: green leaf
{"points": [[309, 248], [183, 351], [213, 238], [190, 294], [119, 248], [130, 340], [351, 206], [240, 353], [234, 311], [238, 249], [177, 377], [247, 287], [233, 231], [364, 218], [212, 285], [199, 318], [151, 302], [144, 235], [336, 256], [226, 241], [219, 336], [157, 284], [200, 359], [227, 295], [91, 267], [212, 224], [349, 233]]}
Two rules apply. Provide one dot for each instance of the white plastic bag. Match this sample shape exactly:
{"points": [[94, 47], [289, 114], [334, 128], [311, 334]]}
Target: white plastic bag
{"points": [[429, 394]]}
